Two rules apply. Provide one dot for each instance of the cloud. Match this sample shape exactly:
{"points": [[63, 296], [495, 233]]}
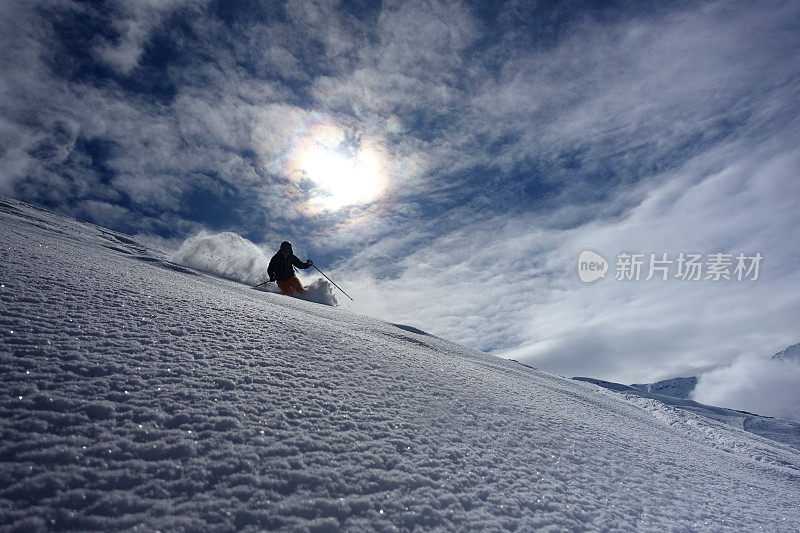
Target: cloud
{"points": [[134, 22], [754, 384], [463, 110]]}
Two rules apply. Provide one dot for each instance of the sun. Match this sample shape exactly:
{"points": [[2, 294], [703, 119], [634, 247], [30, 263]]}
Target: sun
{"points": [[342, 179], [342, 172]]}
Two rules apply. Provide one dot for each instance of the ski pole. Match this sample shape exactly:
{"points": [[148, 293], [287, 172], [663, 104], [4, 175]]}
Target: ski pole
{"points": [[260, 284], [334, 284]]}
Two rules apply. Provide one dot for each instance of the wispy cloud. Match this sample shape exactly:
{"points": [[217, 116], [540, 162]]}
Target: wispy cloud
{"points": [[133, 22]]}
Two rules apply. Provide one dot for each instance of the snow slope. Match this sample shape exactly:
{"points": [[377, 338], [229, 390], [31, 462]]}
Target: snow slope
{"points": [[138, 393], [677, 387], [777, 429]]}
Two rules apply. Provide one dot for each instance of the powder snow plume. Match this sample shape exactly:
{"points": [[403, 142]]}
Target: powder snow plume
{"points": [[318, 291], [227, 255], [231, 256]]}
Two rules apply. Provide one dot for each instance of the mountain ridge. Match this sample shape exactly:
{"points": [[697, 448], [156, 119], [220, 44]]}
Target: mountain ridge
{"points": [[789, 353]]}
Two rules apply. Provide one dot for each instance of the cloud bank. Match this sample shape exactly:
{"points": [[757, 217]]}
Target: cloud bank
{"points": [[763, 386]]}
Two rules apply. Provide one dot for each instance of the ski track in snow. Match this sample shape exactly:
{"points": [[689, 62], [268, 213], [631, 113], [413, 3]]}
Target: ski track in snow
{"points": [[138, 393]]}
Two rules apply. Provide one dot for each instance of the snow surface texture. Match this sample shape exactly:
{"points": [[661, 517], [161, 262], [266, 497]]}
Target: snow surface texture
{"points": [[136, 392], [231, 256]]}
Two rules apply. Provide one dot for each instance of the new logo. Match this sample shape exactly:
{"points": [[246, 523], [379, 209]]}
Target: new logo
{"points": [[591, 266]]}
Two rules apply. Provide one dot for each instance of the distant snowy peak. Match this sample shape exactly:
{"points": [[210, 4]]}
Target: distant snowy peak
{"points": [[792, 352], [675, 387]]}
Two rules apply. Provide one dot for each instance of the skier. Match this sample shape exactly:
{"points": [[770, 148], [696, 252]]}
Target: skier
{"points": [[281, 269]]}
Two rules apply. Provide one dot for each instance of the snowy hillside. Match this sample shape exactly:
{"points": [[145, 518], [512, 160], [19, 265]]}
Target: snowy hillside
{"points": [[677, 387], [777, 429], [137, 392]]}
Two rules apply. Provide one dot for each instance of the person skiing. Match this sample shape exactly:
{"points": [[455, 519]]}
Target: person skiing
{"points": [[281, 269]]}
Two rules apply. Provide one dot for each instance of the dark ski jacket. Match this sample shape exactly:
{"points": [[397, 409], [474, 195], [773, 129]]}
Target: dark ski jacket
{"points": [[280, 266]]}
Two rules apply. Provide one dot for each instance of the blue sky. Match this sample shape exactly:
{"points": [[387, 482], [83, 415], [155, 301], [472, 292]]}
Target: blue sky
{"points": [[507, 137]]}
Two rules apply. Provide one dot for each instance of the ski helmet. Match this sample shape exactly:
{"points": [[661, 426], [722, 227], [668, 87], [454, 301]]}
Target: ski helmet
{"points": [[286, 245]]}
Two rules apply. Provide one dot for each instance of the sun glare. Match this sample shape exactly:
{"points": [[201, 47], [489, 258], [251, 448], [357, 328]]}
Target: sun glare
{"points": [[342, 174]]}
